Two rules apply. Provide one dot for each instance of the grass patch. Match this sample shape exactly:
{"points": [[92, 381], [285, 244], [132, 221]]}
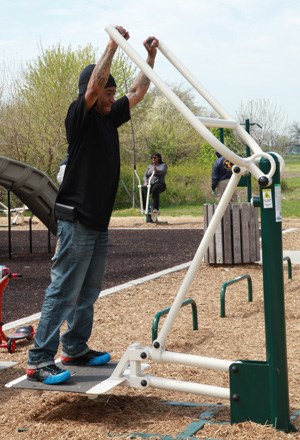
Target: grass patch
{"points": [[291, 187], [188, 190], [168, 211], [292, 164]]}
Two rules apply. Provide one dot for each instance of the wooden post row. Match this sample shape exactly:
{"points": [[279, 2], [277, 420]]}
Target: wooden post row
{"points": [[236, 240]]}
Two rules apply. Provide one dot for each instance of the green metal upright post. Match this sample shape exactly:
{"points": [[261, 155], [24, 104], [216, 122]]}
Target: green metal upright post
{"points": [[221, 135], [248, 153], [276, 351], [259, 389]]}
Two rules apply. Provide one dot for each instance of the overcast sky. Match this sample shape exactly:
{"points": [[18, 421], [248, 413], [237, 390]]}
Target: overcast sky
{"points": [[238, 49]]}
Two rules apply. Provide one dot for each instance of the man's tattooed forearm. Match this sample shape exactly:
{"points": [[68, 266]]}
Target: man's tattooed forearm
{"points": [[144, 80], [141, 81], [102, 68]]}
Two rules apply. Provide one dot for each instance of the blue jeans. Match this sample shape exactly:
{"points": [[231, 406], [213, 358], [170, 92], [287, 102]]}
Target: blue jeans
{"points": [[76, 278]]}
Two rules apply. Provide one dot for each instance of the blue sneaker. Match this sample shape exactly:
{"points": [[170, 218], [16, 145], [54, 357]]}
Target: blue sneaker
{"points": [[49, 375], [92, 358]]}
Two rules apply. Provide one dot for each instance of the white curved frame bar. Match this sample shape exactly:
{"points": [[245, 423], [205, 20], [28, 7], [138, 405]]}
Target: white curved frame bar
{"points": [[148, 193], [142, 210], [129, 371], [185, 111], [140, 191]]}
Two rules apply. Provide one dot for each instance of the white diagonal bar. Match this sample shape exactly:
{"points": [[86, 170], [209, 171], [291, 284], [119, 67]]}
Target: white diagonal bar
{"points": [[207, 96], [188, 387], [218, 123], [194, 360], [182, 108], [208, 236]]}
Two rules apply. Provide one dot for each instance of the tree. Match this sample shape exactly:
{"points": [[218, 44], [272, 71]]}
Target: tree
{"points": [[168, 132], [295, 133], [270, 121], [32, 123], [32, 118], [124, 73], [50, 86]]}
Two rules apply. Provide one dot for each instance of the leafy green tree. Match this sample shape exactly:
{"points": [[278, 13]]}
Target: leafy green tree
{"points": [[168, 132], [50, 86], [32, 124], [32, 119], [208, 153]]}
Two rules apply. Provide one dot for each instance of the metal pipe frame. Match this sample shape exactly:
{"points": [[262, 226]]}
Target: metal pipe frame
{"points": [[144, 211], [129, 372], [245, 136], [136, 353], [188, 387], [148, 193], [218, 123], [248, 162], [192, 360], [140, 191], [188, 279]]}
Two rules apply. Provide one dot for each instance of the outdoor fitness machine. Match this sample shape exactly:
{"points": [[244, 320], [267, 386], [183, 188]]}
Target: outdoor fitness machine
{"points": [[258, 390], [148, 208]]}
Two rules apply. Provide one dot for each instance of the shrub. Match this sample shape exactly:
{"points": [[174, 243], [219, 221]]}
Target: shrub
{"points": [[187, 183]]}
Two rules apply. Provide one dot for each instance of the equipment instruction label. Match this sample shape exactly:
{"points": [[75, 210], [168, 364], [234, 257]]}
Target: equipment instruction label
{"points": [[267, 198], [278, 215]]}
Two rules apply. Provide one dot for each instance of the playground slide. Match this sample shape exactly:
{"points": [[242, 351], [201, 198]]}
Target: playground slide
{"points": [[32, 187]]}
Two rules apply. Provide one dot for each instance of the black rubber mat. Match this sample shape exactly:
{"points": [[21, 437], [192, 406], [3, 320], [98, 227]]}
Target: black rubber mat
{"points": [[83, 378]]}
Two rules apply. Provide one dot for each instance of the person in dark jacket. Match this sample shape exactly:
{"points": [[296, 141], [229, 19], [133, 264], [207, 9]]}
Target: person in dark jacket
{"points": [[221, 173]]}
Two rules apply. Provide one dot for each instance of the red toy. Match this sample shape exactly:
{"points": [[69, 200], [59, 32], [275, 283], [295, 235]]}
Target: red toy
{"points": [[24, 332]]}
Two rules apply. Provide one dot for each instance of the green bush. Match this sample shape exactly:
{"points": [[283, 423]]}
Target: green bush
{"points": [[187, 184]]}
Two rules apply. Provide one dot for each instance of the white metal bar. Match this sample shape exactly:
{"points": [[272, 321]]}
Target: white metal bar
{"points": [[115, 380], [208, 97], [188, 387], [140, 191], [181, 107], [3, 206], [106, 385], [148, 192], [193, 81], [212, 227], [195, 361], [245, 163], [218, 123]]}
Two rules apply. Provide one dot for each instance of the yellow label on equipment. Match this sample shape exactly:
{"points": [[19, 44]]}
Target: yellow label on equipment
{"points": [[267, 198]]}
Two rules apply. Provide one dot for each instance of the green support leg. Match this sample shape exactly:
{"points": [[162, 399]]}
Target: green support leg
{"points": [[255, 384]]}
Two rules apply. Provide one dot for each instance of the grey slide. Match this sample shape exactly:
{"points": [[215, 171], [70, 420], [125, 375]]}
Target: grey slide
{"points": [[32, 187]]}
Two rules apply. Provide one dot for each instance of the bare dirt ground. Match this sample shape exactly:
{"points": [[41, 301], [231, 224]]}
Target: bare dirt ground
{"points": [[125, 318]]}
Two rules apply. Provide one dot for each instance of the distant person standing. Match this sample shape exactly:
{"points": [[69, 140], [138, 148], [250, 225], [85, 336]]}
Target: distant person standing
{"points": [[221, 173], [157, 182]]}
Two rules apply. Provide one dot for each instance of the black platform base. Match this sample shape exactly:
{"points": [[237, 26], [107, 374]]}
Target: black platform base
{"points": [[82, 379]]}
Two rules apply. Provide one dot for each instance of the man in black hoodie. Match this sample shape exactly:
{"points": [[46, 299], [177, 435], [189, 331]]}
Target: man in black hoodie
{"points": [[83, 209]]}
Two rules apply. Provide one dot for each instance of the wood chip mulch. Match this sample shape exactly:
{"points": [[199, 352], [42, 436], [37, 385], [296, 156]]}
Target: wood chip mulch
{"points": [[126, 317]]}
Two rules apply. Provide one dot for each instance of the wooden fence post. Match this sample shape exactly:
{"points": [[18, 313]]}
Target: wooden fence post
{"points": [[236, 240]]}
